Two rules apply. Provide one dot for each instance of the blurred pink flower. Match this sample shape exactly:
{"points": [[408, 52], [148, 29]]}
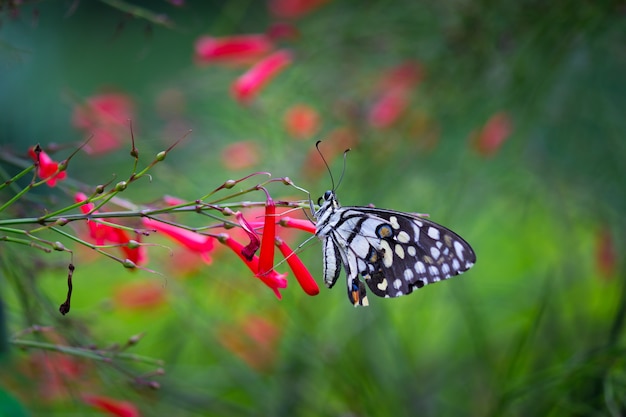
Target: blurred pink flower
{"points": [[388, 108], [46, 166], [293, 9], [248, 85], [240, 155], [488, 141], [394, 94], [301, 121], [238, 49], [106, 119]]}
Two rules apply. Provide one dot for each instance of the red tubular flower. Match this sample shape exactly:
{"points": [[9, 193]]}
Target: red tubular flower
{"points": [[232, 49], [105, 118], [250, 249], [300, 224], [103, 233], [112, 407], [248, 85], [47, 167], [306, 281], [266, 257], [293, 9], [195, 242], [272, 279], [493, 134]]}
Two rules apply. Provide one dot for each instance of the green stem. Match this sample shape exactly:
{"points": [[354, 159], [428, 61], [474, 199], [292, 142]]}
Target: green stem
{"points": [[99, 355]]}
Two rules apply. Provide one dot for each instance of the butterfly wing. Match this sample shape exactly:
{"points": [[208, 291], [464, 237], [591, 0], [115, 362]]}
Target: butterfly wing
{"points": [[394, 252]]}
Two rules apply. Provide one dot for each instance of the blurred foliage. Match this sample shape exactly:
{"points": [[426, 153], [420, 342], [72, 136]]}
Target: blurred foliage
{"points": [[535, 328]]}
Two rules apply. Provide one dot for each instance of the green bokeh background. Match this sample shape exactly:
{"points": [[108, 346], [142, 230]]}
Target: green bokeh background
{"points": [[534, 328]]}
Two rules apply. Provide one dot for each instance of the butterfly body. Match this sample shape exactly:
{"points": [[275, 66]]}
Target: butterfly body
{"points": [[393, 252]]}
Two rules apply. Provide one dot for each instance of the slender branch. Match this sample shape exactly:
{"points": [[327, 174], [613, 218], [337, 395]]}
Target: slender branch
{"points": [[99, 355]]}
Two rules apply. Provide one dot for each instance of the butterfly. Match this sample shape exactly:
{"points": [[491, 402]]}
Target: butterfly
{"points": [[393, 252]]}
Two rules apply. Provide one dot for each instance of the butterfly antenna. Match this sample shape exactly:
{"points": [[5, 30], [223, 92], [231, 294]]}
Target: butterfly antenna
{"points": [[343, 171], [332, 180]]}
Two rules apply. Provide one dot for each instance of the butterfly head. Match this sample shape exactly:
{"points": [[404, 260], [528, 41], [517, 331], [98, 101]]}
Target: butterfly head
{"points": [[327, 203]]}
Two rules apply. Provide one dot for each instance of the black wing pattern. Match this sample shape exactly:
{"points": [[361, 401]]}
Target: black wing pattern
{"points": [[394, 252]]}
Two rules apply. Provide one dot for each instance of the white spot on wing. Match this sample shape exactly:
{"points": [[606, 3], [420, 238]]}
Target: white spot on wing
{"points": [[455, 265], [411, 250], [433, 270], [433, 233], [393, 220], [382, 285], [403, 237], [388, 254], [399, 251], [459, 249], [420, 268], [434, 252], [397, 283], [408, 274]]}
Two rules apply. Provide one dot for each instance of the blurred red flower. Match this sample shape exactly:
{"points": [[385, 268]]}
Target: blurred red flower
{"points": [[140, 295], [293, 9], [254, 340], [238, 49], [240, 155], [53, 374], [104, 233], [301, 121], [106, 119], [282, 31], [488, 141], [248, 85], [606, 255], [388, 108], [112, 407], [47, 167]]}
